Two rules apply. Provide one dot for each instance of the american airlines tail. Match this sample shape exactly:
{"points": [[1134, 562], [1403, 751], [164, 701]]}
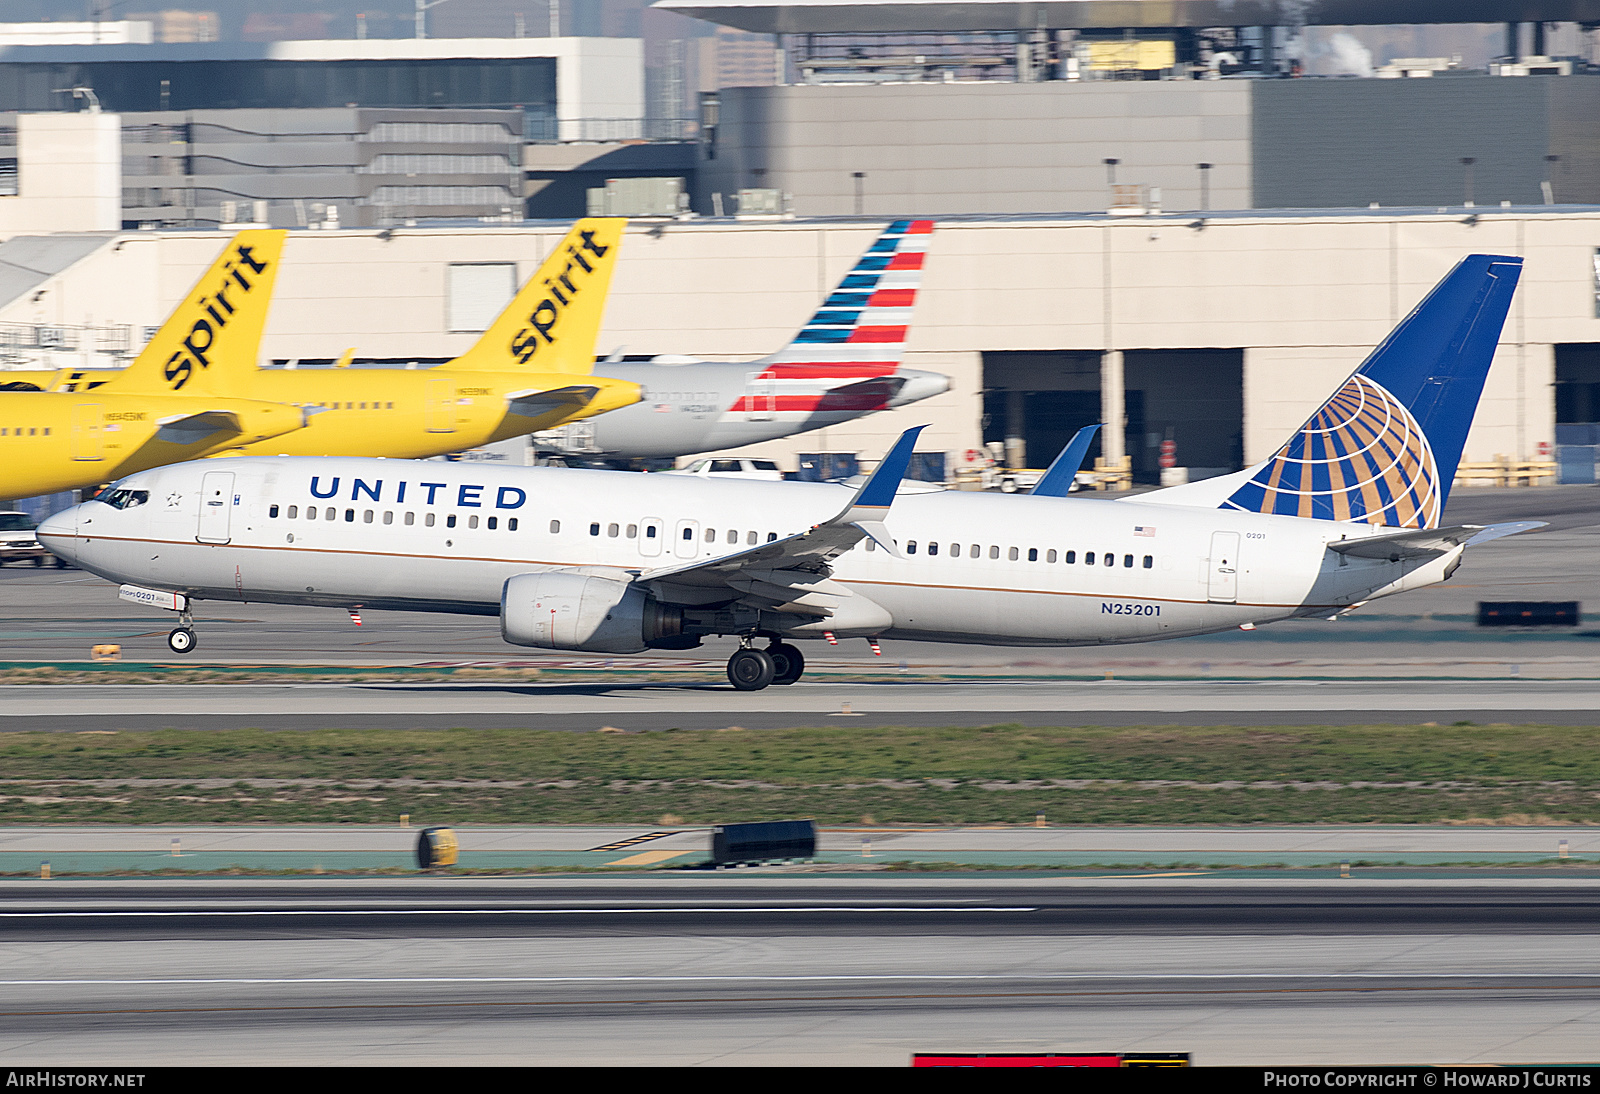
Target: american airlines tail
{"points": [[860, 330], [209, 343], [1384, 448], [552, 324]]}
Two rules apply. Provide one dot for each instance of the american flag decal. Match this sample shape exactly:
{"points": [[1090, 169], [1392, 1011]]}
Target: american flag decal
{"points": [[1144, 530]]}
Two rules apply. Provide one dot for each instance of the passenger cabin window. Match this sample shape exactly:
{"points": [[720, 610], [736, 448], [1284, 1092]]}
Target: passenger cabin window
{"points": [[733, 538], [311, 512], [994, 552], [911, 546], [511, 524], [871, 546], [613, 531], [294, 511], [688, 534], [711, 535], [772, 537], [427, 520], [388, 516], [1127, 562], [1088, 558], [1012, 554], [555, 527], [330, 513], [1149, 561], [366, 516], [450, 521], [1070, 557], [272, 511], [594, 529], [1050, 555], [472, 521], [1109, 559], [753, 538], [411, 518], [933, 548], [1033, 554], [633, 531]]}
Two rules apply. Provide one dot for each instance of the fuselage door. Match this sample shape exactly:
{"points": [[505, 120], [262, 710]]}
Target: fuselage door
{"points": [[686, 540], [1223, 586], [86, 431], [651, 533], [441, 412], [216, 507], [763, 399]]}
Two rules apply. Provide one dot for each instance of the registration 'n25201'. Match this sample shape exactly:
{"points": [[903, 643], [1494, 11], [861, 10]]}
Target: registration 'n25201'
{"points": [[1117, 607]]}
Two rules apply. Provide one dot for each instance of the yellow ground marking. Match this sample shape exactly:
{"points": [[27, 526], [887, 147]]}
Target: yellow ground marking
{"points": [[647, 858]]}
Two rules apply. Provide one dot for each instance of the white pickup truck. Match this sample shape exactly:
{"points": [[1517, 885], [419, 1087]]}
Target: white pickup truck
{"points": [[17, 540]]}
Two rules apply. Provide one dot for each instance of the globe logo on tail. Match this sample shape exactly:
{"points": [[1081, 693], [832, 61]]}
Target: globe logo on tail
{"points": [[1362, 457]]}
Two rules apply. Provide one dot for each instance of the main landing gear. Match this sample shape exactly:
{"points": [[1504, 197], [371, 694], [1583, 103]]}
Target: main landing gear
{"points": [[182, 640], [750, 669]]}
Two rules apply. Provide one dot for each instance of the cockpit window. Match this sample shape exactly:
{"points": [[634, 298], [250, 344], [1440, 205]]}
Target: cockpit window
{"points": [[124, 499]]}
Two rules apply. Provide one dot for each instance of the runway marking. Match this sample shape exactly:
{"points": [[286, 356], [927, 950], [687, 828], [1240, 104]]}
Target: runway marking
{"points": [[805, 999], [795, 978], [631, 840], [494, 911], [648, 858]]}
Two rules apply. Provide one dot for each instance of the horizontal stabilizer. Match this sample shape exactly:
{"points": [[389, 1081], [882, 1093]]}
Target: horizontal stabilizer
{"points": [[537, 402], [1058, 479], [191, 428], [1428, 542]]}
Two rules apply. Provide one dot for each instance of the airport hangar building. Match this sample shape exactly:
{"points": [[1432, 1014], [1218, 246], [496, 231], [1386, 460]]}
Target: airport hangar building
{"points": [[1218, 331]]}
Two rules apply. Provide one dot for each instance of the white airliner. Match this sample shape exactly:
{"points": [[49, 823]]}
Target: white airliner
{"points": [[842, 365], [1347, 511]]}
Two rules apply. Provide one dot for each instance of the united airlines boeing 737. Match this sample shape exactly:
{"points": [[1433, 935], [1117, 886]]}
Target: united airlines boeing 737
{"points": [[1347, 511]]}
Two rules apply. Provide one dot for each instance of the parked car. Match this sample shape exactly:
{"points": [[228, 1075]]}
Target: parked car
{"points": [[17, 540], [724, 468]]}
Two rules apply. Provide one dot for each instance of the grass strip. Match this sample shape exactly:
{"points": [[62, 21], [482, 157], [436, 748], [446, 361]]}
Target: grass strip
{"points": [[1000, 774]]}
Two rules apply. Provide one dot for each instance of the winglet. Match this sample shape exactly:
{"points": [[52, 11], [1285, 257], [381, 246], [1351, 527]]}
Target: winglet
{"points": [[871, 503], [1508, 528], [1058, 480]]}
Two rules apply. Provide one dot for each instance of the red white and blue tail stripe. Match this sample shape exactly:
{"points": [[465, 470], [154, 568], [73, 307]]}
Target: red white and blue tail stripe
{"points": [[860, 330]]}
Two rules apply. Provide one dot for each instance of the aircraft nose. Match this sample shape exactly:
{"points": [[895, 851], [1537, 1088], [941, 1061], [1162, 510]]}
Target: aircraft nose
{"points": [[919, 385], [58, 533]]}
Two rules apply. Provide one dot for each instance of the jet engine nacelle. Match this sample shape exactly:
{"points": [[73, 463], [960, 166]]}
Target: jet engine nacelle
{"points": [[563, 610]]}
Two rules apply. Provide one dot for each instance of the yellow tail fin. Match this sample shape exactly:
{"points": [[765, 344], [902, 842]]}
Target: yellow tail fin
{"points": [[208, 345], [552, 323]]}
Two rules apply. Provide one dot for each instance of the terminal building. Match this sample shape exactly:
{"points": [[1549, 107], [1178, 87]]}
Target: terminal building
{"points": [[1219, 333], [1165, 225]]}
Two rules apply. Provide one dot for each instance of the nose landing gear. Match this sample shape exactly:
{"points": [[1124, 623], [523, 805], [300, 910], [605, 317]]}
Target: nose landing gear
{"points": [[182, 639], [750, 669]]}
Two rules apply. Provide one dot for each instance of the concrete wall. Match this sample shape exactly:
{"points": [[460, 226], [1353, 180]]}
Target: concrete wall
{"points": [[985, 148], [69, 175], [1305, 297]]}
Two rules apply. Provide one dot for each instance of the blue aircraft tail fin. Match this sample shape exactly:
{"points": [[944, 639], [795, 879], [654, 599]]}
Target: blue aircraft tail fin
{"points": [[1384, 448]]}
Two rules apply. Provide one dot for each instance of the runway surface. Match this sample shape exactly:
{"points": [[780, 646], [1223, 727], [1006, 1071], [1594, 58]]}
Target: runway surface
{"points": [[98, 848], [813, 970], [579, 707]]}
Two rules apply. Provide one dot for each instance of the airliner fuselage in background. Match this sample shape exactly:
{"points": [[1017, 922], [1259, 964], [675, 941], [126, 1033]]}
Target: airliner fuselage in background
{"points": [[1348, 510], [844, 364]]}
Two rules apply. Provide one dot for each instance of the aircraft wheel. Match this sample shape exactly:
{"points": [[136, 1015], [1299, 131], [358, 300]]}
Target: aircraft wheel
{"points": [[1008, 486], [750, 670], [181, 640], [787, 662], [37, 562]]}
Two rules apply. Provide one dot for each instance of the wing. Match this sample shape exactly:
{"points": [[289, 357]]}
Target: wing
{"points": [[781, 573], [1429, 542]]}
